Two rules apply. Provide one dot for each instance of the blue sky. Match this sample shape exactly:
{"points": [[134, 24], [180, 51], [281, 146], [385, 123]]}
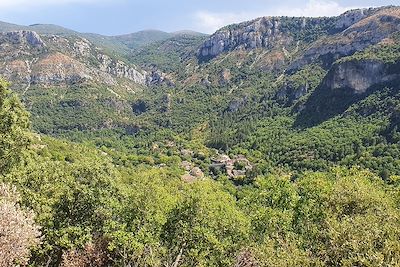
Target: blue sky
{"points": [[113, 17]]}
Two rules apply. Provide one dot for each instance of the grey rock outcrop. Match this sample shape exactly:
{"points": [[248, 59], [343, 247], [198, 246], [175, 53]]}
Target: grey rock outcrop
{"points": [[260, 33], [281, 32], [347, 82], [155, 77], [29, 58], [120, 69], [353, 16], [83, 47], [358, 36], [23, 37], [358, 76], [56, 69]]}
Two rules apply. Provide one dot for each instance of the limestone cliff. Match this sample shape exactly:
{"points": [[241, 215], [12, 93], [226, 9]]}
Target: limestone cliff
{"points": [[346, 83], [359, 75], [360, 35], [32, 59], [302, 41], [270, 32]]}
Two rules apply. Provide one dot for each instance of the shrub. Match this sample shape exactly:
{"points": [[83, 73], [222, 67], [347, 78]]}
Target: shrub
{"points": [[18, 231]]}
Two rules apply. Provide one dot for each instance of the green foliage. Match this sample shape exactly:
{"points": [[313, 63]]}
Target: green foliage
{"points": [[71, 200], [14, 126], [353, 212], [341, 218], [146, 199], [206, 227], [269, 204], [168, 55]]}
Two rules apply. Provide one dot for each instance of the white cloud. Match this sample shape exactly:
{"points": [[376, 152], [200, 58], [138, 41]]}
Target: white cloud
{"points": [[315, 8], [22, 4], [209, 22]]}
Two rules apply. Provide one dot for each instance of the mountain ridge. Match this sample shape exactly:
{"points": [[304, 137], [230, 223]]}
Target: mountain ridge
{"points": [[121, 41], [274, 50]]}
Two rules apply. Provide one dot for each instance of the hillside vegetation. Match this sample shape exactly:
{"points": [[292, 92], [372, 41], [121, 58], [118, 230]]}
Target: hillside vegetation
{"points": [[273, 142]]}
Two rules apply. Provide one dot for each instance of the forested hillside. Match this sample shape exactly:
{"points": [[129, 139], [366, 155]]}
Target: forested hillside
{"points": [[273, 142]]}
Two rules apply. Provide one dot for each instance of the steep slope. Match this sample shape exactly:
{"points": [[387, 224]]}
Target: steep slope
{"points": [[276, 32], [285, 46], [172, 55], [301, 41], [353, 78], [368, 31], [29, 58], [70, 84], [276, 59]]}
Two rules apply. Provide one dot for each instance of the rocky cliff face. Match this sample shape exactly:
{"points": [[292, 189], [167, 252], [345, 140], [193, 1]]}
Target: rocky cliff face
{"points": [[17, 44], [330, 38], [359, 75], [21, 38], [120, 69], [346, 83], [56, 69], [351, 17], [29, 58], [155, 77], [368, 31], [261, 33]]}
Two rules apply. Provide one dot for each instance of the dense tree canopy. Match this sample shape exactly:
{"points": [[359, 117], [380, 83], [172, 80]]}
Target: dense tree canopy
{"points": [[14, 123]]}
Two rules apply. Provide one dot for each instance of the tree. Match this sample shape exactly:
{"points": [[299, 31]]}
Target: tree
{"points": [[269, 204], [14, 123], [72, 202], [206, 228], [348, 219]]}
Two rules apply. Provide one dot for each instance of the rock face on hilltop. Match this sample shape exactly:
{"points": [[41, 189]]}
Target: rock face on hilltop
{"points": [[306, 40], [271, 32], [31, 59], [366, 32], [351, 17], [23, 38], [260, 33]]}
